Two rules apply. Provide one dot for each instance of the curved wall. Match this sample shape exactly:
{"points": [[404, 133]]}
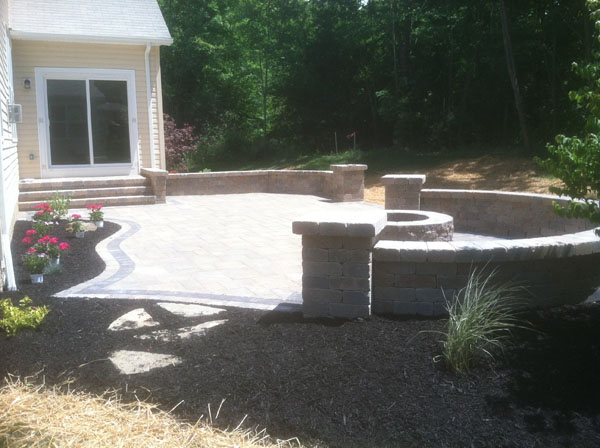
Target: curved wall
{"points": [[502, 214]]}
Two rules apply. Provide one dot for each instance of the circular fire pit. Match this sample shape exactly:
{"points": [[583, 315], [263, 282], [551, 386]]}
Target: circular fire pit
{"points": [[417, 225]]}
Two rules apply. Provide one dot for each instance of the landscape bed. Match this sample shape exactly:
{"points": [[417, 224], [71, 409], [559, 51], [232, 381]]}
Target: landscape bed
{"points": [[334, 383]]}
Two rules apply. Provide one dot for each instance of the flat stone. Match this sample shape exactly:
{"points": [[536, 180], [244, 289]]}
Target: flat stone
{"points": [[184, 310], [130, 362], [181, 333], [133, 320]]}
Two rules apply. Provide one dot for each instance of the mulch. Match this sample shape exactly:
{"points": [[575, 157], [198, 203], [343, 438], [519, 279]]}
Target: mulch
{"points": [[362, 383]]}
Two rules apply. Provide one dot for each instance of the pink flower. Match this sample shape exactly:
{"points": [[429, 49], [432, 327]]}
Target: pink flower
{"points": [[41, 212], [76, 216], [31, 250], [44, 240], [39, 206], [64, 246], [26, 240], [53, 241], [31, 232]]}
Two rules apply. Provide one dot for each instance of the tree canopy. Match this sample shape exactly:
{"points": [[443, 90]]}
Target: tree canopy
{"points": [[406, 74]]}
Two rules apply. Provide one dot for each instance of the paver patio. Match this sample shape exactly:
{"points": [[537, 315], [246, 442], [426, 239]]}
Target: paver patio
{"points": [[236, 250]]}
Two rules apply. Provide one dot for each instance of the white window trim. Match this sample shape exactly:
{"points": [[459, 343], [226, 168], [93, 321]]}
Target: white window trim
{"points": [[42, 74]]}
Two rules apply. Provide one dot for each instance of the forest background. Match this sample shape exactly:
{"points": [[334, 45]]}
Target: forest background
{"points": [[259, 78]]}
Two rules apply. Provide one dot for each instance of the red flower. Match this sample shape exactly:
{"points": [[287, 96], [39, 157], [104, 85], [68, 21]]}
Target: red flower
{"points": [[31, 250], [26, 240], [64, 246], [53, 241], [76, 216], [31, 232], [41, 212]]}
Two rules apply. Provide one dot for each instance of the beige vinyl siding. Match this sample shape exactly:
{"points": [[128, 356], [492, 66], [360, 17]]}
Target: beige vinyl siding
{"points": [[27, 55], [9, 146]]}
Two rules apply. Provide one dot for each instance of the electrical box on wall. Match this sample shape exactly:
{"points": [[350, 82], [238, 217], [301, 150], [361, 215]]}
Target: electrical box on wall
{"points": [[15, 113]]}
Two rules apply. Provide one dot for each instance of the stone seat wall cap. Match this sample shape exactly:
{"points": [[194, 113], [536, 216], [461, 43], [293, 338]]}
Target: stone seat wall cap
{"points": [[404, 178], [349, 167], [342, 223], [153, 171]]}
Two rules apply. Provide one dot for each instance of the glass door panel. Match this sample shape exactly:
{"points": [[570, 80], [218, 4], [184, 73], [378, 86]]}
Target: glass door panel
{"points": [[110, 121], [68, 122]]}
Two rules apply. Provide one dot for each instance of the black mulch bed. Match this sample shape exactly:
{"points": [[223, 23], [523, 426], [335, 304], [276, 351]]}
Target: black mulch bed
{"points": [[331, 383]]}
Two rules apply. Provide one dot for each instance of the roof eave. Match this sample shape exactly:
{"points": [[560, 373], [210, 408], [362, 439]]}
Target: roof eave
{"points": [[74, 38]]}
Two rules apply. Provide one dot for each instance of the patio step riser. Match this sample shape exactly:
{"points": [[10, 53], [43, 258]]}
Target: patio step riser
{"points": [[82, 184], [42, 196], [108, 202]]}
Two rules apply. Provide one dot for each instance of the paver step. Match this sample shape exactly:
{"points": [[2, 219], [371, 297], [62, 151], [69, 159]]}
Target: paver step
{"points": [[109, 201], [46, 195], [79, 183]]}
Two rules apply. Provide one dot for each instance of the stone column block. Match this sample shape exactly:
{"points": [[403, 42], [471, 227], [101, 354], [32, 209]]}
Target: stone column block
{"points": [[348, 182], [158, 182], [403, 191], [337, 262]]}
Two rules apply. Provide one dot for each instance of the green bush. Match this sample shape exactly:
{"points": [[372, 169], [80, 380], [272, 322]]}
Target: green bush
{"points": [[481, 317], [15, 318], [576, 160], [60, 204]]}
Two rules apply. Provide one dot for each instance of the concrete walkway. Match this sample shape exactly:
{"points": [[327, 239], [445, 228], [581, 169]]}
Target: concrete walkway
{"points": [[227, 250]]}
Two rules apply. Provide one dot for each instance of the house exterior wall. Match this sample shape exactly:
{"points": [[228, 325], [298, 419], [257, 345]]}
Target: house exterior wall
{"points": [[9, 166], [27, 55]]}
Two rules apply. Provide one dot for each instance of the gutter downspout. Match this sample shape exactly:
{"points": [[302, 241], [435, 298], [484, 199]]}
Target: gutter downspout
{"points": [[149, 95], [4, 223]]}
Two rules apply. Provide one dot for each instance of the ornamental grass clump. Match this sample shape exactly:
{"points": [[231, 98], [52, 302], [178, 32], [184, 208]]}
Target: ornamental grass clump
{"points": [[481, 318]]}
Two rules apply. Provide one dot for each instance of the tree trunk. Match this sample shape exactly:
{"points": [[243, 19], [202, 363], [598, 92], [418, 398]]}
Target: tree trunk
{"points": [[512, 74]]}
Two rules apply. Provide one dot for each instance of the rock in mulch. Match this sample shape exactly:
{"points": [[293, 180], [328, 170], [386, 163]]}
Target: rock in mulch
{"points": [[133, 320], [131, 362]]}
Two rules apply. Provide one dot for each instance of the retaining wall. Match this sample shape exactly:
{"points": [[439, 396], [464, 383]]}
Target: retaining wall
{"points": [[502, 214], [556, 259], [343, 182]]}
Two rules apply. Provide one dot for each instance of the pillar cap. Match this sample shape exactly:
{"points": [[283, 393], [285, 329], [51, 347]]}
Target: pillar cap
{"points": [[402, 179], [356, 224], [349, 167]]}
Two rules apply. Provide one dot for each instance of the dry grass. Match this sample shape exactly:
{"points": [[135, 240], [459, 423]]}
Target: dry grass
{"points": [[489, 172], [37, 416]]}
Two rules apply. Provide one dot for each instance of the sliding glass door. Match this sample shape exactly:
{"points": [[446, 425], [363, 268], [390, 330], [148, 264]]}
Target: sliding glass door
{"points": [[90, 122]]}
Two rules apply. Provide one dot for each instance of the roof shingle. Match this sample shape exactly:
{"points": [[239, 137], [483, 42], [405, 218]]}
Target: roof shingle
{"points": [[103, 21]]}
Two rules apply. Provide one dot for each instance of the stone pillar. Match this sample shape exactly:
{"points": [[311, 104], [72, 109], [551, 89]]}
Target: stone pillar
{"points": [[337, 262], [158, 182], [348, 182], [403, 191]]}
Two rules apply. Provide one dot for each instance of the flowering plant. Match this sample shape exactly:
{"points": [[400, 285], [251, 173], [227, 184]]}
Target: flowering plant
{"points": [[49, 246], [96, 213], [35, 263], [44, 213], [76, 225]]}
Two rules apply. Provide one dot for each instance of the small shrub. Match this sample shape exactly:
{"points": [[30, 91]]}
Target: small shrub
{"points": [[35, 263], [180, 143], [41, 228], [60, 204], [75, 225], [480, 320], [16, 318]]}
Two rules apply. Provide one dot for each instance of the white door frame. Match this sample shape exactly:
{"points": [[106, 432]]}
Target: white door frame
{"points": [[42, 74]]}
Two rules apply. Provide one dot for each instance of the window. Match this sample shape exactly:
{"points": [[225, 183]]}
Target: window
{"points": [[88, 122]]}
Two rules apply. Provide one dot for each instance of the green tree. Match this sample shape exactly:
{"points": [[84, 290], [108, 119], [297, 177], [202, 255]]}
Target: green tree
{"points": [[576, 160]]}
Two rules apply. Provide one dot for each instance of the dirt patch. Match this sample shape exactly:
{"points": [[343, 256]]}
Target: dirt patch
{"points": [[489, 172], [331, 383]]}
